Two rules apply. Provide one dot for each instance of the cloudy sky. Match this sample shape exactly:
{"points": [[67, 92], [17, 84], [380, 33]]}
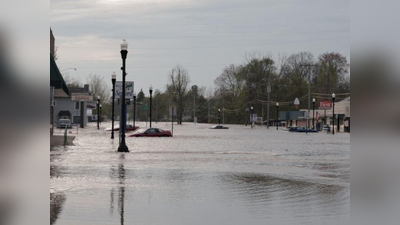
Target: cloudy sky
{"points": [[202, 35]]}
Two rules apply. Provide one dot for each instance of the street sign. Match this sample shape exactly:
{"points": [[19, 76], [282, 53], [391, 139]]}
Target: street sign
{"points": [[82, 97], [269, 89], [172, 110], [306, 115], [297, 101], [144, 107], [127, 101], [128, 89], [253, 117], [325, 104]]}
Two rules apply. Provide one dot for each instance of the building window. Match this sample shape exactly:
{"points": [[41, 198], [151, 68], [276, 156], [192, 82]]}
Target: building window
{"points": [[77, 105]]}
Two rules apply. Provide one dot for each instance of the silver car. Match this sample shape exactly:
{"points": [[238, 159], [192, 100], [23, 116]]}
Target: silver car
{"points": [[62, 123]]}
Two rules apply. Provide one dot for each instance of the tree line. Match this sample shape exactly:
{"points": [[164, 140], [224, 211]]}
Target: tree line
{"points": [[239, 87]]}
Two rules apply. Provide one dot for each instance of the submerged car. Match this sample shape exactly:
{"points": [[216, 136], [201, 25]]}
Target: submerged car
{"points": [[219, 127], [150, 132], [129, 127], [302, 129], [62, 123]]}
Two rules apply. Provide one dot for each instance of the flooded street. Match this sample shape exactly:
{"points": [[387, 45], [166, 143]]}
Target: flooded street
{"points": [[202, 176]]}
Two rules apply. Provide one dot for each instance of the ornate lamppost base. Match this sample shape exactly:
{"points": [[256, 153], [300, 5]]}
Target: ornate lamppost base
{"points": [[123, 148]]}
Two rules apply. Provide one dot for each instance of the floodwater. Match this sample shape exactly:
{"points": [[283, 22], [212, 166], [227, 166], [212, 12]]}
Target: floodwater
{"points": [[202, 176]]}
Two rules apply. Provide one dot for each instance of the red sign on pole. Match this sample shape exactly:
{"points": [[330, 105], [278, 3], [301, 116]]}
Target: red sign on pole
{"points": [[325, 104]]}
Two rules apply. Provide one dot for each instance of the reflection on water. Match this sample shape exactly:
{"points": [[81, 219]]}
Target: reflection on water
{"points": [[120, 175], [202, 176], [298, 197], [57, 199], [56, 205]]}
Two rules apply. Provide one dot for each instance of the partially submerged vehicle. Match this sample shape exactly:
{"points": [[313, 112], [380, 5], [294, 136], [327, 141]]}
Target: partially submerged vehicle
{"points": [[150, 132], [219, 127], [62, 123], [302, 130]]}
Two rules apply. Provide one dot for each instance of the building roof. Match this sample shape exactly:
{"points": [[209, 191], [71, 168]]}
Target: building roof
{"points": [[56, 79], [84, 89], [60, 93]]}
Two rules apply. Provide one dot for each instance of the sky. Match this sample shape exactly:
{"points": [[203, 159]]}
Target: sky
{"points": [[202, 35]]}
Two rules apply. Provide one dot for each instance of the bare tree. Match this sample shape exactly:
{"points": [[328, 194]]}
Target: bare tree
{"points": [[99, 87], [333, 73], [70, 81], [177, 88], [230, 81]]}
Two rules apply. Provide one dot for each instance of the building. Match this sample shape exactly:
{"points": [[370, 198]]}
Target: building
{"points": [[342, 116], [321, 117], [60, 89], [293, 118]]}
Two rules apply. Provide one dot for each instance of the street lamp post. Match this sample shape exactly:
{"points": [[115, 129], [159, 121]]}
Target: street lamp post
{"points": [[151, 105], [313, 111], [134, 110], [219, 116], [71, 68], [277, 114], [333, 113], [113, 79], [122, 145], [251, 116], [194, 89], [247, 114], [98, 112]]}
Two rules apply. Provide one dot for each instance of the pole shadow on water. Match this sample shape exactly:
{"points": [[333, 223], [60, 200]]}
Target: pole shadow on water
{"points": [[120, 175]]}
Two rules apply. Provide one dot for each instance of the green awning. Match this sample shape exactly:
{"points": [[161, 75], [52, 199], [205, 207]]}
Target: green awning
{"points": [[56, 79]]}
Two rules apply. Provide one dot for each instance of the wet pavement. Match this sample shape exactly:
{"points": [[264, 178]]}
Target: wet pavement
{"points": [[202, 176]]}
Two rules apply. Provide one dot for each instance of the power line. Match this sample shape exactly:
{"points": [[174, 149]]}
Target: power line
{"points": [[212, 47]]}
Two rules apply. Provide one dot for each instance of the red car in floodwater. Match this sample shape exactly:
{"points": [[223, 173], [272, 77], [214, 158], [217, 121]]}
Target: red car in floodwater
{"points": [[150, 132], [129, 127]]}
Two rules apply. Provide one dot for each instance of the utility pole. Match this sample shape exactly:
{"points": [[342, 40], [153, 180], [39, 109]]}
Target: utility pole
{"points": [[208, 116], [194, 90], [268, 92], [223, 110], [194, 108], [309, 92], [262, 113]]}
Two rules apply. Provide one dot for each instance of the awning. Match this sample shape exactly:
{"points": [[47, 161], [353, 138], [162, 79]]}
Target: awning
{"points": [[64, 113], [56, 79]]}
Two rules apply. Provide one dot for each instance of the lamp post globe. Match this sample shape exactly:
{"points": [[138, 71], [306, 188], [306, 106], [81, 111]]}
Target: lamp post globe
{"points": [[151, 103], [333, 113], [122, 126]]}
